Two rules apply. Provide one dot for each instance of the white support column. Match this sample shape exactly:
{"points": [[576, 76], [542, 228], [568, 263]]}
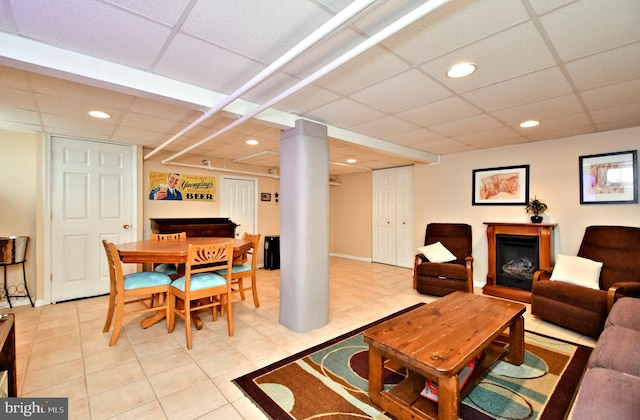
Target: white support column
{"points": [[304, 227]]}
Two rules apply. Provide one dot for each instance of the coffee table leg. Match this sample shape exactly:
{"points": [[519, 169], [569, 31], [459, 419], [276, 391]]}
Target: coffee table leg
{"points": [[375, 375], [449, 398], [516, 342]]}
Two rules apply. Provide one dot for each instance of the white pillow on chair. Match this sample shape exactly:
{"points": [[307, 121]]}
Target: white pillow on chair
{"points": [[577, 270], [437, 253]]}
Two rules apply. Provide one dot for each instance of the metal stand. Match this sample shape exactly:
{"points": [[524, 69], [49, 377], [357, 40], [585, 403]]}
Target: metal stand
{"points": [[13, 251]]}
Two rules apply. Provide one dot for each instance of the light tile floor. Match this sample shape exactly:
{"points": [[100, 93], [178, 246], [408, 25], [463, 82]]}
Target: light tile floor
{"points": [[149, 374]]}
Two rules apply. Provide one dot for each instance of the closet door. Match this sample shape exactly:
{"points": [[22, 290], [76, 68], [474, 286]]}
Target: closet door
{"points": [[404, 217], [384, 216], [393, 216]]}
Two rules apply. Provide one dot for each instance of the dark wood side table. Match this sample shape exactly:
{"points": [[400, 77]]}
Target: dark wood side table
{"points": [[8, 352]]}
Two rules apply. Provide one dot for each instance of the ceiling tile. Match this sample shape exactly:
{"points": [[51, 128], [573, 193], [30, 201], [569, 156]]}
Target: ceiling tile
{"points": [[411, 138], [401, 92], [257, 29], [163, 110], [583, 28], [505, 55], [68, 106], [73, 91], [88, 125], [568, 132], [165, 11], [552, 125], [384, 127], [14, 78], [467, 125], [621, 116], [396, 91], [455, 24], [369, 67], [439, 112], [544, 6], [445, 147], [306, 99], [6, 23], [16, 98], [612, 95], [521, 90], [606, 68], [92, 27], [541, 110], [492, 138], [20, 116], [344, 113], [213, 67]]}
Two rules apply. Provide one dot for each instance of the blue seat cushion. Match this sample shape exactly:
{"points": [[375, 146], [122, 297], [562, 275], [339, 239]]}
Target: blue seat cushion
{"points": [[145, 279], [166, 268], [235, 269], [200, 281]]}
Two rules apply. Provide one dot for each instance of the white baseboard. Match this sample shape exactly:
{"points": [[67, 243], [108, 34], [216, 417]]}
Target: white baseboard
{"points": [[350, 257]]}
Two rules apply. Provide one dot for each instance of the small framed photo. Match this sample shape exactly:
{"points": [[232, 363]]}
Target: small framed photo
{"points": [[265, 196], [609, 178], [507, 185]]}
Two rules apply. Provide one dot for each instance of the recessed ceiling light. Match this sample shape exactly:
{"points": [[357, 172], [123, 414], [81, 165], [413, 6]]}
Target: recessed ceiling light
{"points": [[99, 114], [351, 161], [252, 142], [529, 124], [461, 70]]}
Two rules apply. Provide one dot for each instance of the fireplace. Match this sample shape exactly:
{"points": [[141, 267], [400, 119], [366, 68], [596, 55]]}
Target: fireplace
{"points": [[515, 252], [516, 261]]}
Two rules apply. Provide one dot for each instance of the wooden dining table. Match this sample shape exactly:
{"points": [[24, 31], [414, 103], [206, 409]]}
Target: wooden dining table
{"points": [[157, 252]]}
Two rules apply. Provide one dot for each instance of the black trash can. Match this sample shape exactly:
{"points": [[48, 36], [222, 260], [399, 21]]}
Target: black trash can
{"points": [[272, 252]]}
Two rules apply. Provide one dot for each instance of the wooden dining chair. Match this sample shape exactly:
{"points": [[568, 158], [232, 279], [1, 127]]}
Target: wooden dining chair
{"points": [[240, 271], [201, 286], [141, 287], [169, 269]]}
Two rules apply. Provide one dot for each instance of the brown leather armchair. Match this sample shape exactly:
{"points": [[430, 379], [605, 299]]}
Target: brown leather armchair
{"points": [[581, 308], [440, 279]]}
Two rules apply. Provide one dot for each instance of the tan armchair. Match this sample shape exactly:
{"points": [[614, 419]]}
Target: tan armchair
{"points": [[440, 279], [585, 309]]}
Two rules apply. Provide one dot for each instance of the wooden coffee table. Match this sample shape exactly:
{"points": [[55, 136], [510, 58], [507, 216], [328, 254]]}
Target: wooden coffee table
{"points": [[436, 341]]}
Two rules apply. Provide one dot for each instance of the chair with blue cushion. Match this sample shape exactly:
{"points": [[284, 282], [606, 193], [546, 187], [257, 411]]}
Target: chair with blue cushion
{"points": [[201, 286], [141, 288], [240, 271], [170, 269]]}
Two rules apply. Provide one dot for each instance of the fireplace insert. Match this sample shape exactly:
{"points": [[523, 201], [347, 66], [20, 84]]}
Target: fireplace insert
{"points": [[516, 260]]}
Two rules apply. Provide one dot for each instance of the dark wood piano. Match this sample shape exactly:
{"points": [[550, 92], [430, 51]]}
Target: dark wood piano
{"points": [[213, 226]]}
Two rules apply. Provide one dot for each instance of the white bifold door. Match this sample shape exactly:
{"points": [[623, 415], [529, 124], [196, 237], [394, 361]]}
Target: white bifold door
{"points": [[393, 216]]}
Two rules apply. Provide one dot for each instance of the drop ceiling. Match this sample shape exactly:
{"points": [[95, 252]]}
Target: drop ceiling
{"points": [[157, 66]]}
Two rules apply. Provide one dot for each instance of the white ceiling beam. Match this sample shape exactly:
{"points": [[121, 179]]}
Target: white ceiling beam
{"points": [[30, 55]]}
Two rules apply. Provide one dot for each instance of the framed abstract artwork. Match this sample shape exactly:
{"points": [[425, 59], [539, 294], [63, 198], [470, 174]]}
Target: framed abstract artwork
{"points": [[609, 178], [507, 185]]}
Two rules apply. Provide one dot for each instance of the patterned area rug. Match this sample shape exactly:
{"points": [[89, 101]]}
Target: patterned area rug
{"points": [[329, 381]]}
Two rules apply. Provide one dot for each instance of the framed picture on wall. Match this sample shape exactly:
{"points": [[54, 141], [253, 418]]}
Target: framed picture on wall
{"points": [[507, 185], [609, 178]]}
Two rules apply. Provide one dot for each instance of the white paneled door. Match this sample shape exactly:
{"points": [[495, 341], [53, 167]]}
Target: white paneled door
{"points": [[91, 200], [238, 202], [393, 216]]}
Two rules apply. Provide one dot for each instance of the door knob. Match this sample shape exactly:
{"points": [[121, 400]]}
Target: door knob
{"points": [[126, 226]]}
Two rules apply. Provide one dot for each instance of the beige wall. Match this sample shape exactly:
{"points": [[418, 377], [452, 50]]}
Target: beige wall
{"points": [[268, 211], [18, 197], [350, 230], [443, 194]]}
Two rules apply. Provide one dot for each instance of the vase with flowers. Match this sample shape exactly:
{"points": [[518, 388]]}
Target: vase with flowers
{"points": [[535, 208]]}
